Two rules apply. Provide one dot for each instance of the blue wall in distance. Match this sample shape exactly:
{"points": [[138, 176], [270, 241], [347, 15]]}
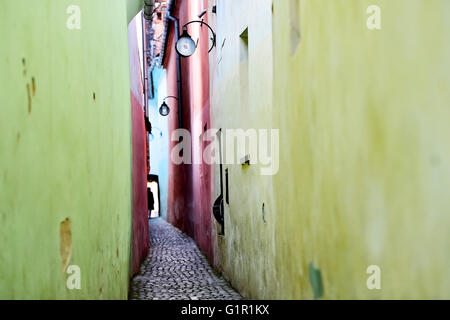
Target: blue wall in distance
{"points": [[159, 141]]}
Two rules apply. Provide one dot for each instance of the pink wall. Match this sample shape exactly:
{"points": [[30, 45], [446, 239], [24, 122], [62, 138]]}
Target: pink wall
{"points": [[140, 237], [189, 204]]}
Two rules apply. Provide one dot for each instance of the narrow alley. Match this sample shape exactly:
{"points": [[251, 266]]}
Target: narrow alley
{"points": [[224, 150], [175, 269]]}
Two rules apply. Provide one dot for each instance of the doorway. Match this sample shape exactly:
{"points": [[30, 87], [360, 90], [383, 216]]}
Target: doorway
{"points": [[153, 196]]}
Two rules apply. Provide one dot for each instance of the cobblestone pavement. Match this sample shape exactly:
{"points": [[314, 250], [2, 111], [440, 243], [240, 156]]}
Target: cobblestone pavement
{"points": [[175, 269]]}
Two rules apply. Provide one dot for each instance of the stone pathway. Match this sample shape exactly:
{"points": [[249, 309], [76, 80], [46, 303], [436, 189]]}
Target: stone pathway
{"points": [[175, 269]]}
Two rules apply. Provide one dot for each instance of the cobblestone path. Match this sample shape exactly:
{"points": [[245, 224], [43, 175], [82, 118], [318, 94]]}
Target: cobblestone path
{"points": [[175, 269]]}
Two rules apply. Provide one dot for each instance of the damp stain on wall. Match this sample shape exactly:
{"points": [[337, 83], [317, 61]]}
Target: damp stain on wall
{"points": [[33, 86], [29, 98], [24, 64]]}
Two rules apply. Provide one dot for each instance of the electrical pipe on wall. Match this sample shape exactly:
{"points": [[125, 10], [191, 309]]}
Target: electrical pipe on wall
{"points": [[177, 35]]}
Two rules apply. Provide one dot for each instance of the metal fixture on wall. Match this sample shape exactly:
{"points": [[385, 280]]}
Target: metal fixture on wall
{"points": [[218, 207], [164, 110], [264, 212], [185, 46]]}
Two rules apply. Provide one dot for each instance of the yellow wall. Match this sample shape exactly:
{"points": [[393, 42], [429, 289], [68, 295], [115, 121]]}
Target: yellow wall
{"points": [[364, 162], [365, 113]]}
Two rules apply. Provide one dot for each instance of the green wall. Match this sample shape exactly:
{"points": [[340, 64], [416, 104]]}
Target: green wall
{"points": [[65, 149], [364, 161]]}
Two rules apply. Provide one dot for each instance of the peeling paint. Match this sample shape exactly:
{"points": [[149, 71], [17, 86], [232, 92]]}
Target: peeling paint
{"points": [[65, 244], [315, 279]]}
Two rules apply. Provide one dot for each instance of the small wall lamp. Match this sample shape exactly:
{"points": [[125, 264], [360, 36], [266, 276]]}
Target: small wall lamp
{"points": [[185, 46], [164, 110]]}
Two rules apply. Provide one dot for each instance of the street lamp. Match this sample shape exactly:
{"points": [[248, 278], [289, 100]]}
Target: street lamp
{"points": [[185, 46], [164, 110]]}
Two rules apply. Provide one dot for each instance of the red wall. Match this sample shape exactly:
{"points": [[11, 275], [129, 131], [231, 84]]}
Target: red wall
{"points": [[140, 236], [189, 203]]}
